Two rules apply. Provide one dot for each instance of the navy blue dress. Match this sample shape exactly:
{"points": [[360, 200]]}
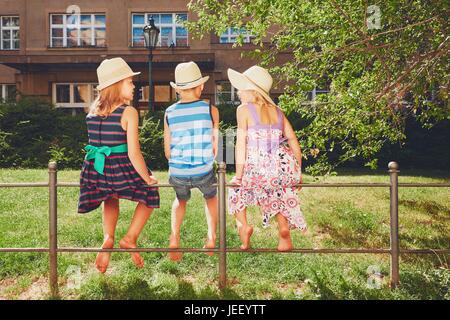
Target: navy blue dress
{"points": [[120, 179]]}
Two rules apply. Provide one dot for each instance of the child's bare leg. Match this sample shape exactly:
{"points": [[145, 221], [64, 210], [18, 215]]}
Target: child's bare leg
{"points": [[110, 217], [140, 217], [245, 230], [211, 212], [285, 241], [178, 212]]}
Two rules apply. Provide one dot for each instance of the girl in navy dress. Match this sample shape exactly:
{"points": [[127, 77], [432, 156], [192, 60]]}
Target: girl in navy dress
{"points": [[114, 167]]}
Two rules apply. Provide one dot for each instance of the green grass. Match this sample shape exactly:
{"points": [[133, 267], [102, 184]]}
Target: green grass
{"points": [[337, 218]]}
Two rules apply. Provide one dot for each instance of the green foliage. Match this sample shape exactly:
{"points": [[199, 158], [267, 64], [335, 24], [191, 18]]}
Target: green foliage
{"points": [[377, 77], [34, 132], [428, 285], [4, 146], [151, 136], [227, 115]]}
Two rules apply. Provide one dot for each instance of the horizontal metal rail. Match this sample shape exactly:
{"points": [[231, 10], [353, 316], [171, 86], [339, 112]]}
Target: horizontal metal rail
{"points": [[234, 250]]}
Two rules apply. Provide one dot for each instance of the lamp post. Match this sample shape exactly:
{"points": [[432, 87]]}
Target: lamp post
{"points": [[151, 36]]}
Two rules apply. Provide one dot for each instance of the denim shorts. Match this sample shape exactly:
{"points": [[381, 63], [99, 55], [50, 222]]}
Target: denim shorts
{"points": [[183, 185]]}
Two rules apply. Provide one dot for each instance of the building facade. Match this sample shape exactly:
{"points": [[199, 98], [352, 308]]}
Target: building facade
{"points": [[51, 48]]}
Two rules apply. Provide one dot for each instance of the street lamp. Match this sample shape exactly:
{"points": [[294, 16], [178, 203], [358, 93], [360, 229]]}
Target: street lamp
{"points": [[151, 36]]}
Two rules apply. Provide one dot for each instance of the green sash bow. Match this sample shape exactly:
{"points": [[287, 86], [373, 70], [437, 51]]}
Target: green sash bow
{"points": [[100, 153]]}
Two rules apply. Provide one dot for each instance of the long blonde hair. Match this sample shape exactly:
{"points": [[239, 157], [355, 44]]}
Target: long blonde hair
{"points": [[107, 99], [260, 100]]}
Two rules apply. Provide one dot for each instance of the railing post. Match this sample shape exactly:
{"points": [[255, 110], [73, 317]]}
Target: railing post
{"points": [[393, 173], [222, 226], [53, 244]]}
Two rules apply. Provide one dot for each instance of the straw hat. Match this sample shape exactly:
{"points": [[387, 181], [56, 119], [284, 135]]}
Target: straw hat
{"points": [[254, 78], [113, 70], [187, 76]]}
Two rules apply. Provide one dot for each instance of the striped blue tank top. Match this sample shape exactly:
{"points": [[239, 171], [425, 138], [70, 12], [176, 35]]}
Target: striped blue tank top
{"points": [[191, 133]]}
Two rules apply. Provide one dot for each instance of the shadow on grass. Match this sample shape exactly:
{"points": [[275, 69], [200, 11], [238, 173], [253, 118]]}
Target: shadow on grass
{"points": [[440, 242], [437, 174], [434, 284], [414, 284], [139, 289], [349, 226], [437, 210], [436, 260], [439, 219], [349, 239], [339, 288]]}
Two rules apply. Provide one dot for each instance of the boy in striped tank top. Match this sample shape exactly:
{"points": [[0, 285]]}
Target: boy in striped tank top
{"points": [[191, 144]]}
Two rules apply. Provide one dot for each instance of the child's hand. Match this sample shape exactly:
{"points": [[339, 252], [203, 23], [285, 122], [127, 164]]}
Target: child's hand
{"points": [[301, 182], [151, 180], [236, 180]]}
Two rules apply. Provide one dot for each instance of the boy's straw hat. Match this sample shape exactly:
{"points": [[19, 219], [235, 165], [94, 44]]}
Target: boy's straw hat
{"points": [[254, 78], [187, 76], [113, 70]]}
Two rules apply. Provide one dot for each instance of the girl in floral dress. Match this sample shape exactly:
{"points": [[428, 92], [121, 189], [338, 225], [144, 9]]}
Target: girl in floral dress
{"points": [[268, 160]]}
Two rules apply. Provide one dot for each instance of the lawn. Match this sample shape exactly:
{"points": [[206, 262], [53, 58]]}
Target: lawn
{"points": [[337, 218]]}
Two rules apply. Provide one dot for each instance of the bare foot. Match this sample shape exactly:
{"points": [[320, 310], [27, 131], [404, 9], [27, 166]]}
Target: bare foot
{"points": [[174, 242], [245, 232], [210, 244], [102, 260], [138, 261], [285, 241]]}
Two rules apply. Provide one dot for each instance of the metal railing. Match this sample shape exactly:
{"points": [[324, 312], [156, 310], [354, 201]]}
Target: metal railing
{"points": [[222, 250]]}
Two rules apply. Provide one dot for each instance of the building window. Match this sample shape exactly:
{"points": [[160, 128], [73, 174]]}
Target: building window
{"points": [[8, 91], [231, 35], [162, 93], [226, 93], [171, 25], [10, 33], [73, 95], [77, 30]]}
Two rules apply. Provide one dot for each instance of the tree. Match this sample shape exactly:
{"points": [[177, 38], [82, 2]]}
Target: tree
{"points": [[383, 61]]}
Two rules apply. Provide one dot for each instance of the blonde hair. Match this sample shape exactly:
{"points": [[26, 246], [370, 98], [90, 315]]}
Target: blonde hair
{"points": [[261, 100], [107, 99], [258, 98]]}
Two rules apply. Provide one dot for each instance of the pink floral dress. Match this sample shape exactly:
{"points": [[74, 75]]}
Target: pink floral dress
{"points": [[269, 172]]}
